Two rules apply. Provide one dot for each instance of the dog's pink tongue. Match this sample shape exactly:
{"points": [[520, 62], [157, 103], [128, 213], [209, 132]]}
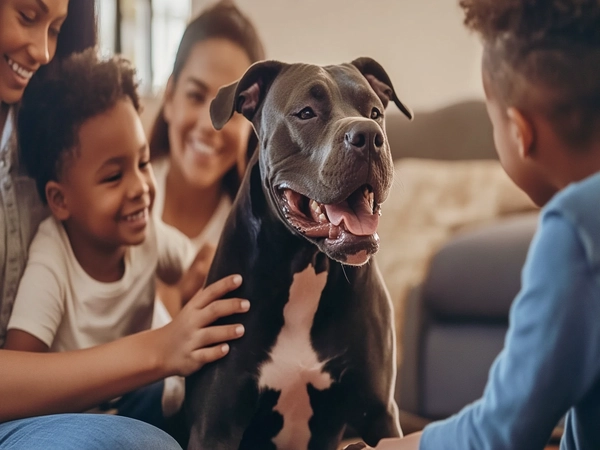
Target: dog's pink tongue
{"points": [[357, 216]]}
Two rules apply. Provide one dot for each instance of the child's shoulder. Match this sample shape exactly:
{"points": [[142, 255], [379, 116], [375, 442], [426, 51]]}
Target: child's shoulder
{"points": [[50, 243], [580, 197], [578, 203]]}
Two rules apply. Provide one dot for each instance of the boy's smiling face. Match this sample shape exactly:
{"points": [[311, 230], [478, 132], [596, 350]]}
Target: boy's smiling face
{"points": [[107, 184]]}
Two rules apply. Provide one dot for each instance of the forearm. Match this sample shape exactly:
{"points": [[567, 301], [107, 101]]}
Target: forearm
{"points": [[410, 442], [35, 384]]}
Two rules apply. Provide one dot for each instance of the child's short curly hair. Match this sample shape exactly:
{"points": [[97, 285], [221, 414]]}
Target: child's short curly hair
{"points": [[56, 105], [543, 55]]}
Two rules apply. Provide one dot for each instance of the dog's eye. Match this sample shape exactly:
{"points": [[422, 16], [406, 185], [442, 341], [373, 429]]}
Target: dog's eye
{"points": [[375, 114], [306, 113]]}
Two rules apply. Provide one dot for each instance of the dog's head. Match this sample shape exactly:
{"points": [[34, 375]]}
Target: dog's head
{"points": [[324, 157]]}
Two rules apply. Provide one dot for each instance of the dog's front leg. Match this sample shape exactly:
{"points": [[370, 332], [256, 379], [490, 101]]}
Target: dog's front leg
{"points": [[382, 424], [221, 411], [376, 415]]}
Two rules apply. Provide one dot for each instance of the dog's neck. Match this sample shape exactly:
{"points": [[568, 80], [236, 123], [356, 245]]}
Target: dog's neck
{"points": [[255, 231]]}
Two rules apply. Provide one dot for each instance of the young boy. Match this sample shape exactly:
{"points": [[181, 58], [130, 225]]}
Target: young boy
{"points": [[541, 74], [90, 275]]}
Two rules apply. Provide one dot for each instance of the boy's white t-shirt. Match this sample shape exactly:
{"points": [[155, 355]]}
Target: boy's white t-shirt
{"points": [[60, 304]]}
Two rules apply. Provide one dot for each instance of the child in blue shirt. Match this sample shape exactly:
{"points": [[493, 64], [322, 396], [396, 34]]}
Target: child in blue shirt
{"points": [[541, 74]]}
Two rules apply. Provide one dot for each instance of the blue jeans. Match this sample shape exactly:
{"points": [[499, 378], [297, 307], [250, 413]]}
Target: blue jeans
{"points": [[83, 432], [143, 404]]}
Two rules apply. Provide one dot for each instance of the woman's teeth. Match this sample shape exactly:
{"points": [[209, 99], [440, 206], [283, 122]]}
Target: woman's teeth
{"points": [[137, 216], [202, 148], [22, 72]]}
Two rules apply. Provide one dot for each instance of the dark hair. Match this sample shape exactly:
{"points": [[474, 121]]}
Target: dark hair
{"points": [[55, 106], [543, 55], [221, 20], [78, 32]]}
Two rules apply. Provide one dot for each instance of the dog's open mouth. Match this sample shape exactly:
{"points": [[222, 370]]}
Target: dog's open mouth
{"points": [[358, 214], [347, 228]]}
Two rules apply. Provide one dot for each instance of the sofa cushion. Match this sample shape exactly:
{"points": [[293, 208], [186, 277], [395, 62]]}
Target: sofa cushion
{"points": [[455, 364], [476, 276]]}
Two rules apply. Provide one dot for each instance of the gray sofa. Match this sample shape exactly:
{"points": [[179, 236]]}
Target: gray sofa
{"points": [[456, 320]]}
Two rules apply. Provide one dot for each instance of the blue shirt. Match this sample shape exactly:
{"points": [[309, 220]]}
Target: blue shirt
{"points": [[550, 364], [21, 211]]}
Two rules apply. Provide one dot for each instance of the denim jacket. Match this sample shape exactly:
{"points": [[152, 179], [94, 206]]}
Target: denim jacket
{"points": [[21, 211]]}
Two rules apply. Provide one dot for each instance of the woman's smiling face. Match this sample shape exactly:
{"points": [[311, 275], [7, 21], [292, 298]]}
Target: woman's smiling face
{"points": [[28, 36], [201, 154]]}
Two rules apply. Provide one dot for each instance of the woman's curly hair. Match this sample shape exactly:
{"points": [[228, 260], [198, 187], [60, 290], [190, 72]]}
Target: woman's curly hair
{"points": [[55, 105], [547, 45]]}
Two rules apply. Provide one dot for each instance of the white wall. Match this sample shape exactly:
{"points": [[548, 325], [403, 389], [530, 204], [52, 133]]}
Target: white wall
{"points": [[430, 57]]}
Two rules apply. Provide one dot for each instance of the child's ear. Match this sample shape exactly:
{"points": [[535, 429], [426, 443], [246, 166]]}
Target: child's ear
{"points": [[168, 100], [521, 131], [55, 197]]}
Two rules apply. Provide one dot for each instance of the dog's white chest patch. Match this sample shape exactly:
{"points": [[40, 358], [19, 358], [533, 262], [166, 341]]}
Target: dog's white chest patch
{"points": [[293, 363]]}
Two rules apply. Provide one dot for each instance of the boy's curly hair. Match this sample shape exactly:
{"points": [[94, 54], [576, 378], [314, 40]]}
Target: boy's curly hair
{"points": [[543, 55], [55, 106]]}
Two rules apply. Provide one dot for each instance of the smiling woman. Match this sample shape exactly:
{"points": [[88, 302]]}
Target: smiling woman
{"points": [[198, 168], [32, 33], [28, 39]]}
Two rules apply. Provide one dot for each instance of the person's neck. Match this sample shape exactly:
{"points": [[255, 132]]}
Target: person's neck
{"points": [[4, 108], [102, 262], [187, 207], [576, 165]]}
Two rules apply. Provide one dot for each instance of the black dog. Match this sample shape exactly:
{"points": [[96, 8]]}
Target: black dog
{"points": [[319, 349]]}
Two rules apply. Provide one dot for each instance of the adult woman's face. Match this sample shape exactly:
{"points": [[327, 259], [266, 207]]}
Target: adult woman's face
{"points": [[201, 154], [28, 36]]}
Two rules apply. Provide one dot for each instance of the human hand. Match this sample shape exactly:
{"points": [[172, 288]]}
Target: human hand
{"points": [[193, 279], [409, 442], [357, 446], [189, 342]]}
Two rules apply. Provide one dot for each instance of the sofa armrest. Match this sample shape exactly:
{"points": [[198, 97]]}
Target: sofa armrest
{"points": [[476, 275], [456, 319]]}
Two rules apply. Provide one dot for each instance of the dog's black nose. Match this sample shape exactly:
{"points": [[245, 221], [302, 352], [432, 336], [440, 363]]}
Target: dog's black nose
{"points": [[364, 136]]}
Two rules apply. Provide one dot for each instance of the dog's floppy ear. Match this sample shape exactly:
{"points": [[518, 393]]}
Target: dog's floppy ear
{"points": [[245, 95], [380, 82]]}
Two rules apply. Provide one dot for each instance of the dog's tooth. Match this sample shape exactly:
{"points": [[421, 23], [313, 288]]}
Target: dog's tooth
{"points": [[314, 206], [334, 232], [318, 211], [322, 218]]}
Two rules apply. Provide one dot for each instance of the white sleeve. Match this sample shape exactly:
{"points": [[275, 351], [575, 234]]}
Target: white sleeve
{"points": [[39, 304], [175, 252]]}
